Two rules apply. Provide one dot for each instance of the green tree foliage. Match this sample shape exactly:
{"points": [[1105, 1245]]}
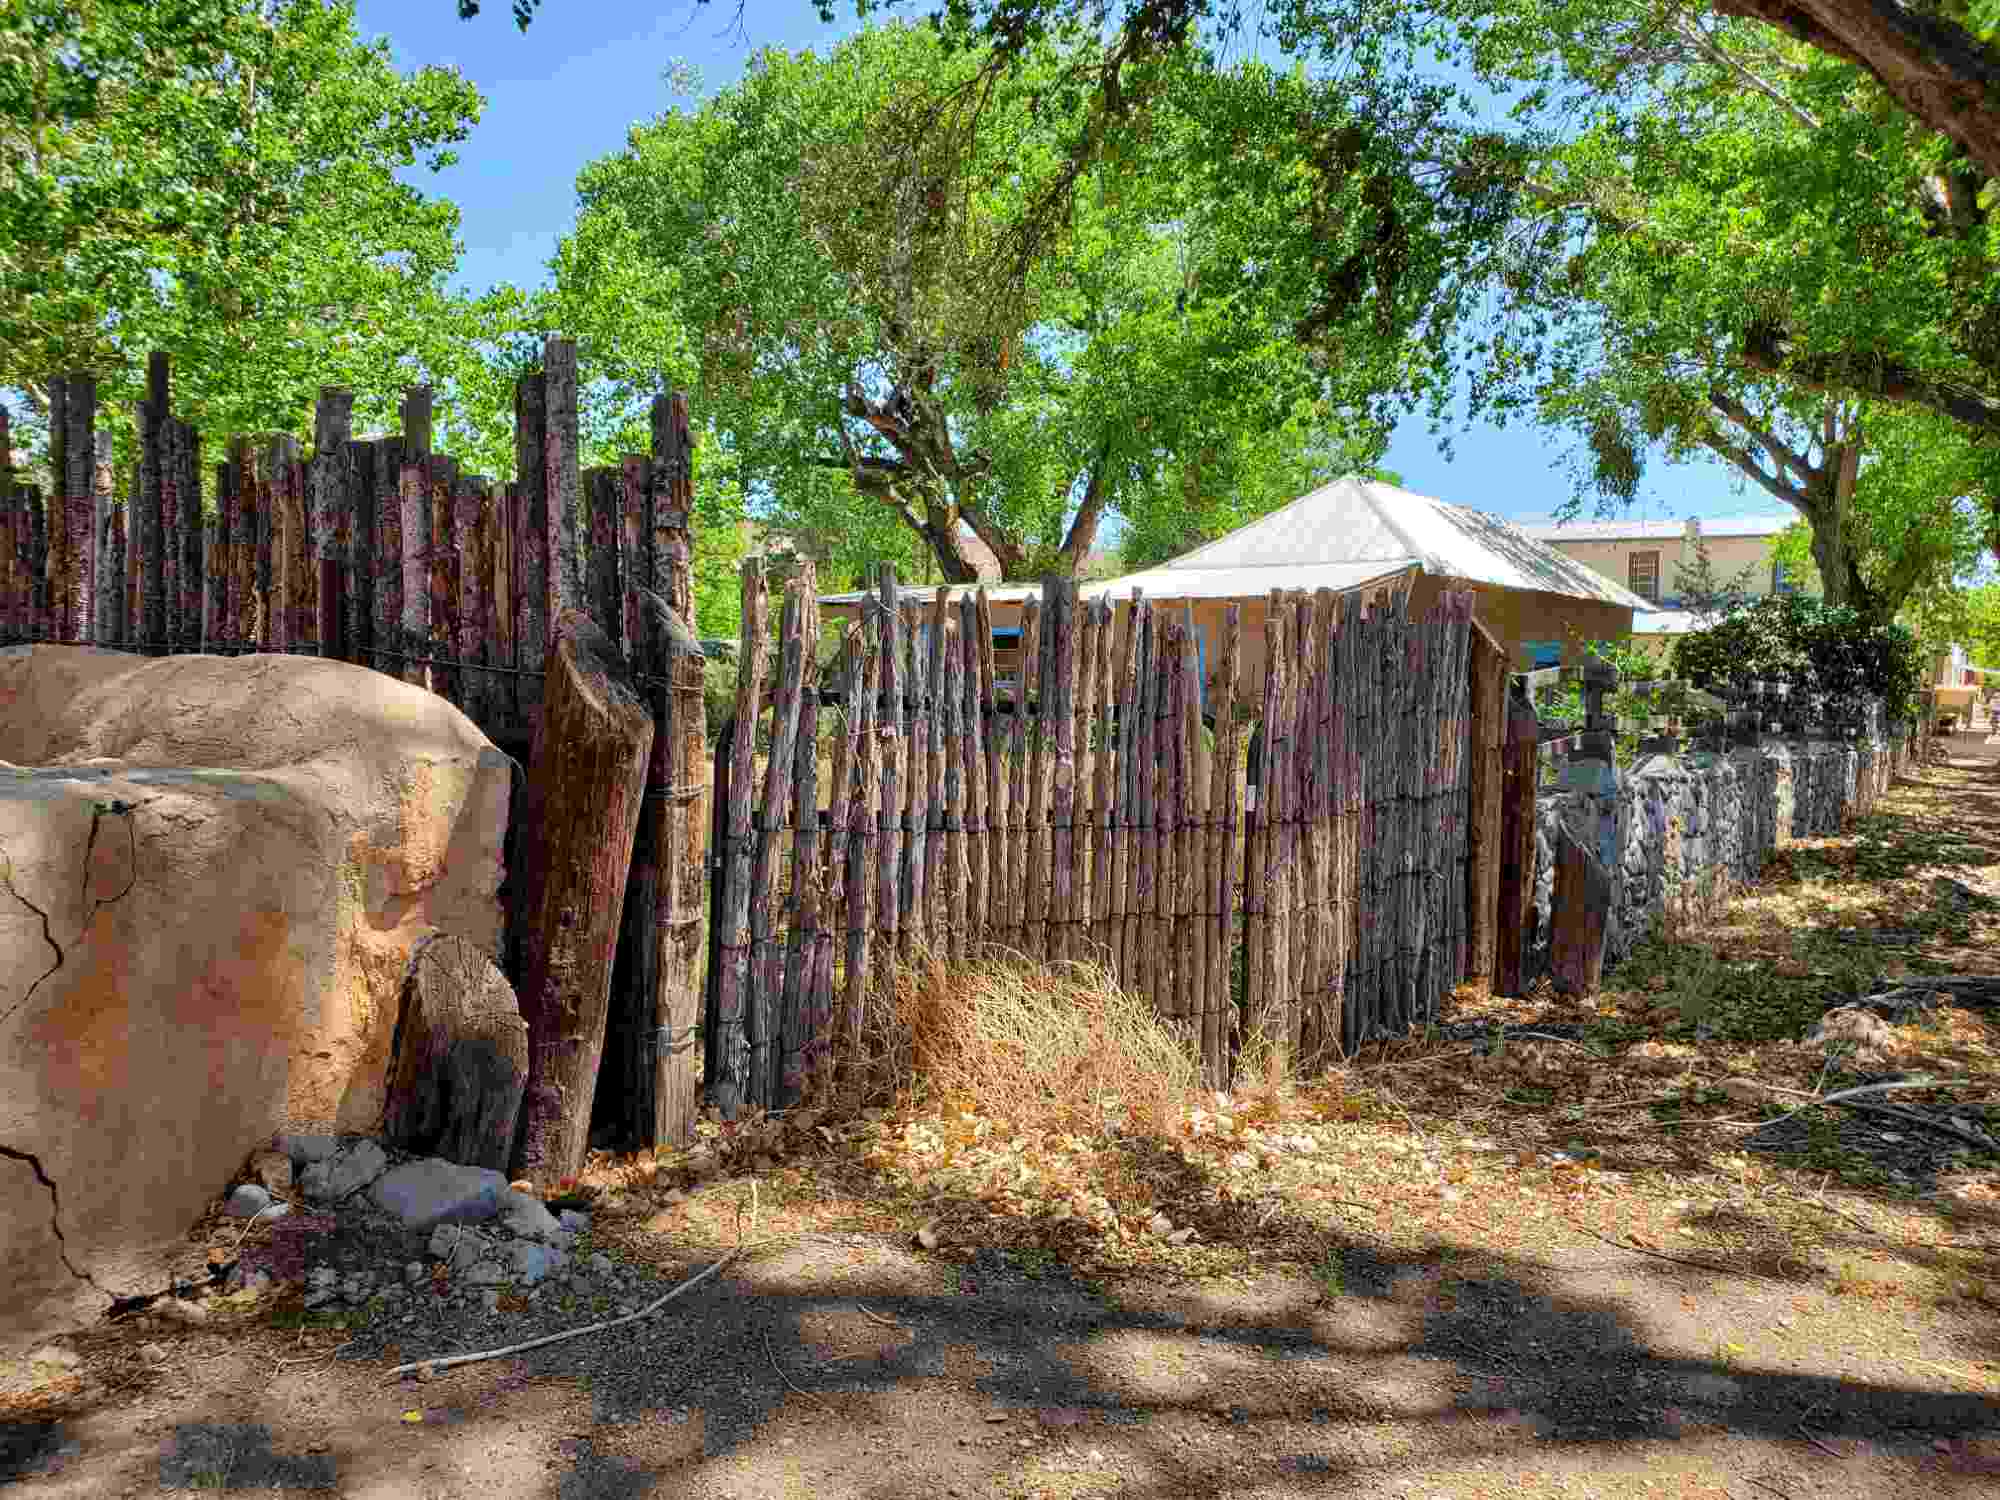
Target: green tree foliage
{"points": [[216, 178], [1732, 244], [904, 311], [1821, 650], [1938, 61]]}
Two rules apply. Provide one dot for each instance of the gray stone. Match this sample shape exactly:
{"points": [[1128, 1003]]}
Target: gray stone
{"points": [[459, 1247], [345, 1173], [486, 1274], [573, 1221], [247, 1201], [490, 1301], [528, 1217], [413, 1272], [306, 1149], [428, 1192], [600, 1264]]}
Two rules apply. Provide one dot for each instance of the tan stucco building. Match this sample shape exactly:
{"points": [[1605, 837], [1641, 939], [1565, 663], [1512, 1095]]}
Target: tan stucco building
{"points": [[1355, 536], [1648, 558]]}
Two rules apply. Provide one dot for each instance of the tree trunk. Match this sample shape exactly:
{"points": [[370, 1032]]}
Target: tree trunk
{"points": [[1089, 516], [459, 1063], [585, 776]]}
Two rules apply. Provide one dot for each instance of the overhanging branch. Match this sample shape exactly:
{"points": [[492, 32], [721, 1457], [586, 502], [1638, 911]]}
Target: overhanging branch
{"points": [[1769, 351]]}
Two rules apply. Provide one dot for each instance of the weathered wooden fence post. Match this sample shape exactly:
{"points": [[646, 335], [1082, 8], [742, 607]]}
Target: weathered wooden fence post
{"points": [[1487, 669], [1514, 908], [10, 624], [1581, 899], [585, 779]]}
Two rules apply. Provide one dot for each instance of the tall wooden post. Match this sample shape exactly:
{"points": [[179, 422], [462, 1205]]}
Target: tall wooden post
{"points": [[585, 779], [107, 591], [1517, 844], [1488, 702], [657, 995], [328, 483]]}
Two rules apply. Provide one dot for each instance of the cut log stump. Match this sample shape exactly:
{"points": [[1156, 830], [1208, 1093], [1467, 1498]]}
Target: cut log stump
{"points": [[586, 774], [459, 1063]]}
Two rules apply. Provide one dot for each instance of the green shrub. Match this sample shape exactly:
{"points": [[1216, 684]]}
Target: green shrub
{"points": [[1811, 646]]}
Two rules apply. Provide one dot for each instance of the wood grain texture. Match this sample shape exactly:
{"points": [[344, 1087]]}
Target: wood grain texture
{"points": [[729, 1075], [586, 775], [458, 1065]]}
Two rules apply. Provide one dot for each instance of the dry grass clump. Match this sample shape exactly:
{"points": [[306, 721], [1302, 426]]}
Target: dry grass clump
{"points": [[1057, 1047]]}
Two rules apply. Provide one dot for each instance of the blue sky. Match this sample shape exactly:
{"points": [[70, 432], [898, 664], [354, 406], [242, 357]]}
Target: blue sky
{"points": [[569, 89]]}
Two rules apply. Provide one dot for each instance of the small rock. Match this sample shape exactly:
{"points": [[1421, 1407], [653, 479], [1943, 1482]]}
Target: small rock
{"points": [[413, 1271], [247, 1201], [55, 1356], [178, 1310], [573, 1222], [153, 1354], [928, 1237], [601, 1264]]}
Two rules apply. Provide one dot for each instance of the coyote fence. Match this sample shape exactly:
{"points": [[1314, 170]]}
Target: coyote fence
{"points": [[384, 553], [889, 799]]}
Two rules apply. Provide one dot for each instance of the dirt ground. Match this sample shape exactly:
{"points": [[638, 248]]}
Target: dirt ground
{"points": [[1585, 1265]]}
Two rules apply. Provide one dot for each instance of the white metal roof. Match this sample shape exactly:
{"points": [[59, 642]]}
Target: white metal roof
{"points": [[1172, 581], [1657, 531], [1342, 536], [1168, 582], [1359, 522]]}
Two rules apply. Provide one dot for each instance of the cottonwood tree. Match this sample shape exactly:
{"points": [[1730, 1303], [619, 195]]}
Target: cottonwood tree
{"points": [[1693, 265], [217, 178], [1939, 62], [900, 300]]}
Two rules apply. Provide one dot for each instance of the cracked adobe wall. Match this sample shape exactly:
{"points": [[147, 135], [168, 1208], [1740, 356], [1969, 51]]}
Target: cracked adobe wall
{"points": [[194, 957]]}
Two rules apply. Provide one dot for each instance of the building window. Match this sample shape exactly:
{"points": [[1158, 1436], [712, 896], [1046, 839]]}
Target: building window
{"points": [[1645, 576]]}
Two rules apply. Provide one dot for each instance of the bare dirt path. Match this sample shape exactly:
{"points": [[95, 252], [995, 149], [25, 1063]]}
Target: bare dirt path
{"points": [[1566, 1268]]}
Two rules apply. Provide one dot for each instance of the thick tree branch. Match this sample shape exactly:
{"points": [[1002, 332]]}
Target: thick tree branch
{"points": [[1934, 68], [1782, 453], [1768, 351], [1083, 529], [1744, 459]]}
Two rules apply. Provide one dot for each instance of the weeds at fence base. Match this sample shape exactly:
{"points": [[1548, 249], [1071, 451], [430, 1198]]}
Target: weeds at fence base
{"points": [[1047, 1047]]}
